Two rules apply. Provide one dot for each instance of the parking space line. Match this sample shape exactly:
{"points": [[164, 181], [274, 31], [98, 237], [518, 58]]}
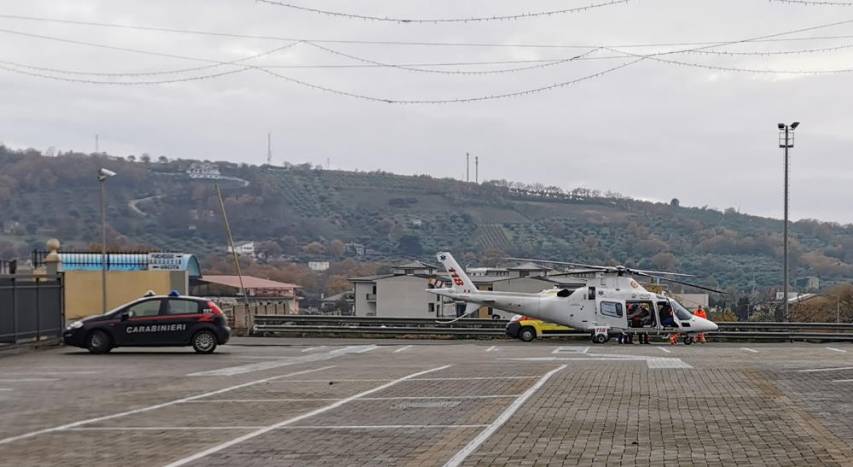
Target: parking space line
{"points": [[160, 428], [401, 398], [836, 350], [28, 380], [310, 349], [747, 349], [156, 406], [403, 349], [571, 349], [475, 443], [815, 370], [374, 427], [662, 349], [336, 380], [842, 381], [284, 361], [472, 378], [492, 348], [289, 421], [292, 427]]}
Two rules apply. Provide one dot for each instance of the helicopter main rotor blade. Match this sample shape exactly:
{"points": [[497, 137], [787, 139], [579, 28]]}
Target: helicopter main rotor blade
{"points": [[676, 281], [665, 273], [563, 263]]}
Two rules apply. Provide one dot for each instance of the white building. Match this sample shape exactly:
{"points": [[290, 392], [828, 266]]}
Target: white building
{"points": [[204, 170], [243, 249], [318, 266]]}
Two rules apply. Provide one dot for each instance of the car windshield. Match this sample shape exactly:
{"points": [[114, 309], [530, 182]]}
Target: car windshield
{"points": [[680, 311]]}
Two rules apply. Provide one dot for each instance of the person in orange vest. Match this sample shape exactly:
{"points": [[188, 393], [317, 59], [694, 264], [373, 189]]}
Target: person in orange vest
{"points": [[701, 314]]}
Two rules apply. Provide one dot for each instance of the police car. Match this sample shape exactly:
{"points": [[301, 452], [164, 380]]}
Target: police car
{"points": [[156, 320]]}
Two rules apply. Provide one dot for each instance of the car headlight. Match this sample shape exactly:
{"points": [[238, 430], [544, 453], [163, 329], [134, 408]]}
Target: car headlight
{"points": [[75, 325]]}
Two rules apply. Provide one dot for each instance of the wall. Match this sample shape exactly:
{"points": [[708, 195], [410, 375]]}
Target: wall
{"points": [[83, 289], [404, 297], [363, 307]]}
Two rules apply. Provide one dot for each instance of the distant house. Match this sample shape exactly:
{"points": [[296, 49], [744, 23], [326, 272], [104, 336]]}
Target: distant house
{"points": [[808, 283], [243, 249], [204, 170], [257, 289], [355, 248], [318, 266]]}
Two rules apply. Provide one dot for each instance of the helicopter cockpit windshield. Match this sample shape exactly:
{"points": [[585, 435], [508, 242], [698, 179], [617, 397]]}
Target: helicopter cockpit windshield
{"points": [[680, 311]]}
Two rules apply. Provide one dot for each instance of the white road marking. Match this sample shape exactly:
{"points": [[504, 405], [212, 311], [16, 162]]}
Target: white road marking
{"points": [[47, 373], [657, 363], [336, 380], [475, 443], [28, 380], [154, 407], [815, 370], [290, 421], [285, 361], [663, 349], [492, 348], [240, 427], [450, 378], [842, 381], [573, 359], [403, 349], [836, 350], [747, 349], [571, 349], [472, 378], [376, 427], [160, 428], [310, 349], [5, 389], [401, 398]]}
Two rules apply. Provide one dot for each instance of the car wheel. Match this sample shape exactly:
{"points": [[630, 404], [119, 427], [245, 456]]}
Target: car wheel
{"points": [[527, 334], [99, 342], [688, 340], [204, 342]]}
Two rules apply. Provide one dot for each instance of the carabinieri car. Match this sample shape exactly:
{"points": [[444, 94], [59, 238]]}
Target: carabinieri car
{"points": [[152, 321]]}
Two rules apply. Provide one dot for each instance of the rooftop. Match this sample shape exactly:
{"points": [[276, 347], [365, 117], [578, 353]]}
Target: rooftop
{"points": [[249, 282]]}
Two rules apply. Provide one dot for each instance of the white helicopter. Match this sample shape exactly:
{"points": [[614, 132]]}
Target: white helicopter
{"points": [[601, 307]]}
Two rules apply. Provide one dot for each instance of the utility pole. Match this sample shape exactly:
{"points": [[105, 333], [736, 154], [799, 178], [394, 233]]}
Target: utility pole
{"points": [[97, 144], [467, 167], [786, 142], [477, 169], [103, 175], [230, 239], [269, 148]]}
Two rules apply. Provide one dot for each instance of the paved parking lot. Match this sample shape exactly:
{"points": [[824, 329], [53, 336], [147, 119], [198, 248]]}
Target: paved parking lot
{"points": [[386, 402]]}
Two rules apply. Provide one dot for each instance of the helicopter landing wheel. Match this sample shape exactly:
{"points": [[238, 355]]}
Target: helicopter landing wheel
{"points": [[688, 340], [599, 339]]}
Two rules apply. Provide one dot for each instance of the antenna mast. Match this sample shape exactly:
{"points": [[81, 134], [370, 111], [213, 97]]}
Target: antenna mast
{"points": [[269, 148]]}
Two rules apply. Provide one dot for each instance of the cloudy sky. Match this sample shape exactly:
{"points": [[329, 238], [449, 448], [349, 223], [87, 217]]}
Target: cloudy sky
{"points": [[689, 126]]}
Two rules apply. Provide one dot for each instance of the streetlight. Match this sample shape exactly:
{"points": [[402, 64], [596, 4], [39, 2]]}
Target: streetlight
{"points": [[786, 141], [103, 175]]}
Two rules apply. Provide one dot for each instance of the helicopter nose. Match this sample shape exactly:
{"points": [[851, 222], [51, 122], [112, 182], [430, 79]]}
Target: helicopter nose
{"points": [[708, 325]]}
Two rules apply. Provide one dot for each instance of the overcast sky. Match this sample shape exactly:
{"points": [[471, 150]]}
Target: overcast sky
{"points": [[650, 130]]}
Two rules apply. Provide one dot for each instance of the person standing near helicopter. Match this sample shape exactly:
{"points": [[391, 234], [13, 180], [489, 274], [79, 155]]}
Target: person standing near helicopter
{"points": [[700, 312]]}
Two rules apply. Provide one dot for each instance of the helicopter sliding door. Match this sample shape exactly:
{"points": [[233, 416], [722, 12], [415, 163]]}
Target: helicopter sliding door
{"points": [[611, 314]]}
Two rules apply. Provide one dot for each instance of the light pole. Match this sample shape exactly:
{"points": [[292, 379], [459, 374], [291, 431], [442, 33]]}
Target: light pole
{"points": [[786, 141], [103, 175]]}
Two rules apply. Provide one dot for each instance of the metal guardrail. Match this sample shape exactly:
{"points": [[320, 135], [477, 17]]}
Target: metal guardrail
{"points": [[351, 325]]}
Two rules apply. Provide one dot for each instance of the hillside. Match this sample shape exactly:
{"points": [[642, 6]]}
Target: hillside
{"points": [[306, 213]]}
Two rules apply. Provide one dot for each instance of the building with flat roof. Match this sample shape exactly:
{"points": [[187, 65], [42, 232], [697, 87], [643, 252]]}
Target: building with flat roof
{"points": [[256, 289]]}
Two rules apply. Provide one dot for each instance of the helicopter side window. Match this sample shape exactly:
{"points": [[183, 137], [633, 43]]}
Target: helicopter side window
{"points": [[613, 309]]}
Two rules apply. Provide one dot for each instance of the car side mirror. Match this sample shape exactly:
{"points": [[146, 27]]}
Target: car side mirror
{"points": [[124, 316]]}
